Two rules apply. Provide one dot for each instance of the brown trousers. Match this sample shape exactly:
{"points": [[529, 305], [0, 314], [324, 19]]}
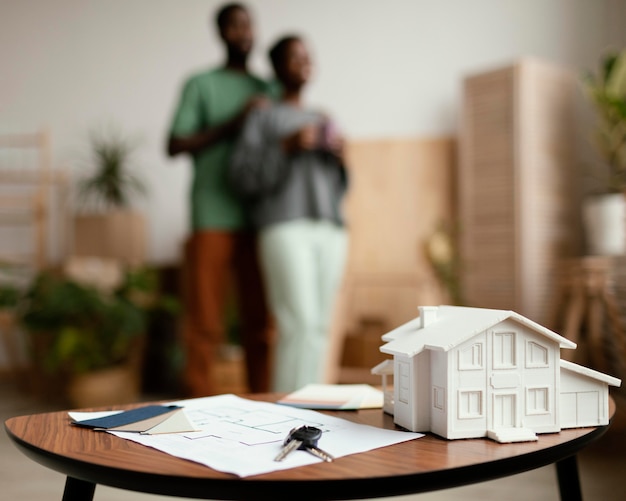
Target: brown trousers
{"points": [[215, 261]]}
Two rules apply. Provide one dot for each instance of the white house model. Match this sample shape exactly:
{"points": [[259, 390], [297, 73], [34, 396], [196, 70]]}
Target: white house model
{"points": [[464, 372]]}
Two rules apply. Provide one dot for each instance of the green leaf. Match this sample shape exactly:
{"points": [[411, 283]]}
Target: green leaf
{"points": [[607, 67], [616, 78], [82, 328], [111, 185]]}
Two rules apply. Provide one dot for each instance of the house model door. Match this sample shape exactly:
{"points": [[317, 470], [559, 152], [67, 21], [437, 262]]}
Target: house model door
{"points": [[504, 380], [504, 410], [505, 387], [580, 409]]}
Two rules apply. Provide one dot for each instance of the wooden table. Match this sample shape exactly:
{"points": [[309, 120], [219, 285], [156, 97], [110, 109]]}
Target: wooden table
{"points": [[426, 464]]}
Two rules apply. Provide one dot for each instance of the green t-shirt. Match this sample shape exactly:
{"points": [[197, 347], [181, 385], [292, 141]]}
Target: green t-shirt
{"points": [[207, 100]]}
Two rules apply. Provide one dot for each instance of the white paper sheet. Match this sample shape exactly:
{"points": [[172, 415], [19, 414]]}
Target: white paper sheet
{"points": [[243, 436], [335, 396]]}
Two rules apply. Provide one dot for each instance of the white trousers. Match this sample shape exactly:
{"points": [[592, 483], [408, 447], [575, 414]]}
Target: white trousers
{"points": [[303, 262]]}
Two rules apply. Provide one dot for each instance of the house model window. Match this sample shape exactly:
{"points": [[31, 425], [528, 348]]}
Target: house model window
{"points": [[471, 358]]}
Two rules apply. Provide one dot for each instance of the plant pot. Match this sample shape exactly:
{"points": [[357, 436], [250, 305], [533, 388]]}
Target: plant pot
{"points": [[604, 218], [111, 386], [118, 234]]}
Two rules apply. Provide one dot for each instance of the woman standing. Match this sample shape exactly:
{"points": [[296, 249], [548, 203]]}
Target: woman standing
{"points": [[288, 166]]}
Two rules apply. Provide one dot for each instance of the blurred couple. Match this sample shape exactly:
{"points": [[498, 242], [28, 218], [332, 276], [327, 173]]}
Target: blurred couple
{"points": [[268, 183]]}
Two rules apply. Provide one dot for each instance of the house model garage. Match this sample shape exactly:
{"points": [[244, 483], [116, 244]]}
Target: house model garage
{"points": [[463, 372]]}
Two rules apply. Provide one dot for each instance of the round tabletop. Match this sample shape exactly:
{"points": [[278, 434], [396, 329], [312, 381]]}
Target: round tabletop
{"points": [[425, 464]]}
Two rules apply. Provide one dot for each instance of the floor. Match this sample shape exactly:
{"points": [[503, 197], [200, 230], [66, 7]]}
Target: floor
{"points": [[602, 468]]}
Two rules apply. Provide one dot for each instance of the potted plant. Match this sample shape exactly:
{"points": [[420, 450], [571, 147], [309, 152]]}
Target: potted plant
{"points": [[86, 339], [605, 212], [9, 299], [13, 280], [9, 296], [106, 224], [442, 254]]}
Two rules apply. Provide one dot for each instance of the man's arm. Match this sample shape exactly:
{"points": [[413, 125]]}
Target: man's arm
{"points": [[208, 137], [203, 139]]}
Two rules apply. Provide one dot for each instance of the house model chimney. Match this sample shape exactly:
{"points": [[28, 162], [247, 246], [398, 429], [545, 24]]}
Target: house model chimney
{"points": [[428, 314]]}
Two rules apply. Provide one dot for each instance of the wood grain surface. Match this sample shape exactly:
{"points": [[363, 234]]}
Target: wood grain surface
{"points": [[428, 463]]}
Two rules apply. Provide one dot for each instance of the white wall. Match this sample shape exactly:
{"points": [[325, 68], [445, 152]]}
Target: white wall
{"points": [[385, 68]]}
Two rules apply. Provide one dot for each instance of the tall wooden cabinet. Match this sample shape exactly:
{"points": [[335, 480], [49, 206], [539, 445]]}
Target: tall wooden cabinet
{"points": [[518, 209]]}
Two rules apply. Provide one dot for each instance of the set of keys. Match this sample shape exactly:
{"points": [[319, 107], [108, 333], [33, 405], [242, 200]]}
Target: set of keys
{"points": [[303, 438]]}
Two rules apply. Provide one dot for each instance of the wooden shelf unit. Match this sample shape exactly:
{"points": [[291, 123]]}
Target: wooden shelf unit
{"points": [[518, 209]]}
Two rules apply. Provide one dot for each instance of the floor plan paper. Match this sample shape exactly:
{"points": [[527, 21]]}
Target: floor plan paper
{"points": [[243, 437]]}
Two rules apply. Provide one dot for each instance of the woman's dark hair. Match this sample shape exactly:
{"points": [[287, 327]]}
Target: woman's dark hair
{"points": [[278, 51], [221, 18]]}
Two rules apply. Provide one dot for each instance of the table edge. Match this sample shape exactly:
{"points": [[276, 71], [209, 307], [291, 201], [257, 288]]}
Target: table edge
{"points": [[256, 487]]}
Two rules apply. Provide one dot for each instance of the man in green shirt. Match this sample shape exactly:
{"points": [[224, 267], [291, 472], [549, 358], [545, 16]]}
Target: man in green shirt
{"points": [[221, 250]]}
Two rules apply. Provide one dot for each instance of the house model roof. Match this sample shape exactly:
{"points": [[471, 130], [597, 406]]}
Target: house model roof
{"points": [[590, 373], [444, 327]]}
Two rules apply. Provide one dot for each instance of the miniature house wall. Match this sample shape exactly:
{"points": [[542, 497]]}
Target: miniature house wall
{"points": [[464, 372], [584, 396]]}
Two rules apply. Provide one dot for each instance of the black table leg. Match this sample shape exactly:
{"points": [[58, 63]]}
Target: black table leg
{"points": [[78, 490], [569, 482]]}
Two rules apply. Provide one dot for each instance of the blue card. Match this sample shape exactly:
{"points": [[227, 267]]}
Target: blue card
{"points": [[127, 417]]}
